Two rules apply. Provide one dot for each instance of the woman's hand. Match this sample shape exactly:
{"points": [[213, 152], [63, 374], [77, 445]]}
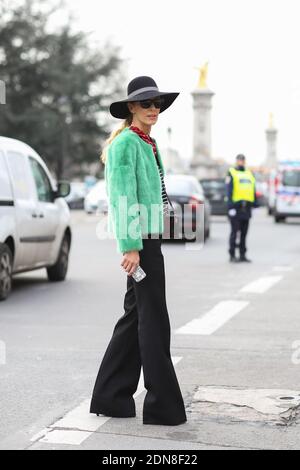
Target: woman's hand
{"points": [[131, 259]]}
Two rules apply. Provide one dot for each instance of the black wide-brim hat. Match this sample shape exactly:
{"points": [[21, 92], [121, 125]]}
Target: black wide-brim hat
{"points": [[141, 88]]}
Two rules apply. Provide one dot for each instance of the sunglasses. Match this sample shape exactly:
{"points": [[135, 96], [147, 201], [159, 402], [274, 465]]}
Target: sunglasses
{"points": [[147, 103]]}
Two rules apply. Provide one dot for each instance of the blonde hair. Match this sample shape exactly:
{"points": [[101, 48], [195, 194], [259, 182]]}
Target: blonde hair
{"points": [[126, 123]]}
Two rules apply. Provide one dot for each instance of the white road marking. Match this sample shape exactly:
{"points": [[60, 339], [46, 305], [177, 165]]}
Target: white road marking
{"points": [[70, 437], [214, 319], [262, 285], [79, 424], [81, 419], [40, 434], [284, 269]]}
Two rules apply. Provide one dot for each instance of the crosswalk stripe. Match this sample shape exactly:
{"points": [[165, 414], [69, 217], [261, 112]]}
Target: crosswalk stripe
{"points": [[262, 285], [284, 269], [214, 319]]}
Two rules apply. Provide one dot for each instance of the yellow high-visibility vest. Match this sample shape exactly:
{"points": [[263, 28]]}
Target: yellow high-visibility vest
{"points": [[243, 185]]}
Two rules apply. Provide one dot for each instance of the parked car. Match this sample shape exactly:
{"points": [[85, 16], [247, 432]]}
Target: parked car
{"points": [[35, 227], [97, 200], [90, 181], [186, 193], [216, 192], [75, 199]]}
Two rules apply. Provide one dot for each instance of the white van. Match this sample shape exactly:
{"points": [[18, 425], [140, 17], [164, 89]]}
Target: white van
{"points": [[35, 224], [284, 191]]}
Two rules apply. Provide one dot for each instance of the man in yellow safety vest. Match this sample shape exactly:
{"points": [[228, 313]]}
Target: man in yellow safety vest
{"points": [[241, 197]]}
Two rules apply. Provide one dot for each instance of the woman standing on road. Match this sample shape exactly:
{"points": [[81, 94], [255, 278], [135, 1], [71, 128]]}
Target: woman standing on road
{"points": [[141, 337]]}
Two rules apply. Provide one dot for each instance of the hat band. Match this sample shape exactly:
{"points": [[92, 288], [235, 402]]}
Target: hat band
{"points": [[141, 90]]}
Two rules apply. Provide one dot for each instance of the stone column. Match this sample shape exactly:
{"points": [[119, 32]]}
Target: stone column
{"points": [[271, 136], [202, 105]]}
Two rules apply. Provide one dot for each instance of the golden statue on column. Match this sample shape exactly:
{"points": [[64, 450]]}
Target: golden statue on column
{"points": [[202, 83]]}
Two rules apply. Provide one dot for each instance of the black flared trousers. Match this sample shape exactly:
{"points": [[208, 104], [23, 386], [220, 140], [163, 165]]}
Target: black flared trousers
{"points": [[141, 338]]}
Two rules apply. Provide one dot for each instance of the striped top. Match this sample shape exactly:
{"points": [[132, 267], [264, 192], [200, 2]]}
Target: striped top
{"points": [[166, 206]]}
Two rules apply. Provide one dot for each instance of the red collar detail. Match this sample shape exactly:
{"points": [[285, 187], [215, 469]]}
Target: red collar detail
{"points": [[145, 137]]}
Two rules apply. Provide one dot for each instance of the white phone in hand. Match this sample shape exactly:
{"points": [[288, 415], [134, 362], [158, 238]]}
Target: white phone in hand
{"points": [[138, 274]]}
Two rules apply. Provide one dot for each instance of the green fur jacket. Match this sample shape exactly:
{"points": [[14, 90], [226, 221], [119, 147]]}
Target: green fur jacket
{"points": [[134, 190]]}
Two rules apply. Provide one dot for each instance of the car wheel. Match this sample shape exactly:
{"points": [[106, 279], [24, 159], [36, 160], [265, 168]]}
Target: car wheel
{"points": [[207, 234], [58, 271], [6, 262], [279, 219], [198, 236]]}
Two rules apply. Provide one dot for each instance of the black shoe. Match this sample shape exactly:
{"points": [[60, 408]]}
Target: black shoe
{"points": [[233, 259], [244, 259]]}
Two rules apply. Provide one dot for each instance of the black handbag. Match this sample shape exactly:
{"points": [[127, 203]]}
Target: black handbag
{"points": [[171, 218]]}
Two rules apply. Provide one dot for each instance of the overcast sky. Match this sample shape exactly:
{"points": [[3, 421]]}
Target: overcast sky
{"points": [[254, 66]]}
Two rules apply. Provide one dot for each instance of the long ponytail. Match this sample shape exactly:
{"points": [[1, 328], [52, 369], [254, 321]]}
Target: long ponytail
{"points": [[126, 123]]}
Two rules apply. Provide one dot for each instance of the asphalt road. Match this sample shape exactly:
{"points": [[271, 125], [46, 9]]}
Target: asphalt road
{"points": [[235, 342]]}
